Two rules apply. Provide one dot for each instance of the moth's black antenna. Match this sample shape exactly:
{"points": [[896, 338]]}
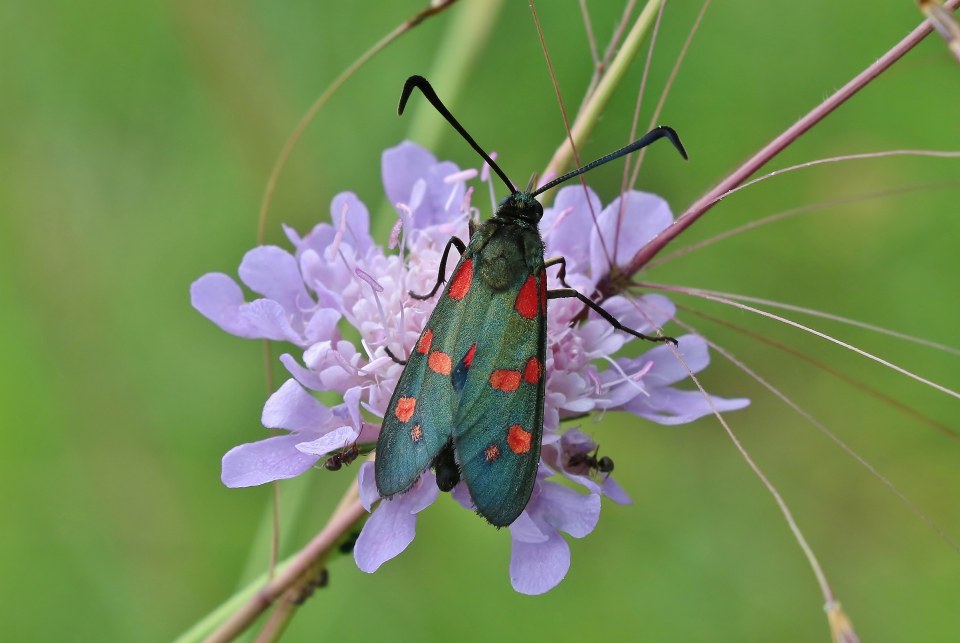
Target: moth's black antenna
{"points": [[421, 83], [648, 138]]}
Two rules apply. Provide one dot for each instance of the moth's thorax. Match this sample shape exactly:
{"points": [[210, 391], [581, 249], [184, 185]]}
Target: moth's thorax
{"points": [[520, 208], [507, 252]]}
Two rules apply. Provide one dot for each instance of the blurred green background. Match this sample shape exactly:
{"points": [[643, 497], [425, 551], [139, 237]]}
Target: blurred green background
{"points": [[135, 143]]}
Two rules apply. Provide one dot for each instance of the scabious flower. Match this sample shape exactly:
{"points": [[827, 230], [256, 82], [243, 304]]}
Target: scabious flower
{"points": [[337, 275]]}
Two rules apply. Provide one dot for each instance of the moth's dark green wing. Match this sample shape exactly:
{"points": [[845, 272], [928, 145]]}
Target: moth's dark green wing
{"points": [[418, 420], [498, 422]]}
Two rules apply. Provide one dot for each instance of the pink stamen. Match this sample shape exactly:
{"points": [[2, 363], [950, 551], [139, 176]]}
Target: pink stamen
{"points": [[367, 277], [377, 289], [560, 217], [345, 365], [465, 206], [395, 233], [461, 176], [643, 371], [341, 228], [632, 379], [597, 386]]}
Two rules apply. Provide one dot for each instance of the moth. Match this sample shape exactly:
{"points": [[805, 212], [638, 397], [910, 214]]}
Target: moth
{"points": [[469, 403]]}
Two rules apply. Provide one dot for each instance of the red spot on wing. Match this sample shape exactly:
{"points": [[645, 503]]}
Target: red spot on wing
{"points": [[423, 346], [532, 371], [506, 381], [405, 408], [460, 284], [468, 358], [491, 453], [518, 439], [527, 304], [416, 433], [439, 363]]}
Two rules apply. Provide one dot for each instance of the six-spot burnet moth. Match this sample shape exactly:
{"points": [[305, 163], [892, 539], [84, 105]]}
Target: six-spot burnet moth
{"points": [[469, 402]]}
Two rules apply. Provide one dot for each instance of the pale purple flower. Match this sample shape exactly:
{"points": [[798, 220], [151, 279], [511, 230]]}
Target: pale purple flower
{"points": [[393, 525], [539, 556], [337, 276]]}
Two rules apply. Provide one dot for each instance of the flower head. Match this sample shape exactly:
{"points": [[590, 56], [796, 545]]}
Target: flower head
{"points": [[337, 275]]}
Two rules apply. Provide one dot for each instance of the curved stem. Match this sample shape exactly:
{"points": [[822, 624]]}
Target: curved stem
{"points": [[348, 514], [699, 207], [598, 100]]}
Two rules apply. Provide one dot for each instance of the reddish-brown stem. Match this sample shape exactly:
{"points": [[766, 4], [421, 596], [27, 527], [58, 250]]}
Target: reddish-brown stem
{"points": [[340, 523], [777, 145]]}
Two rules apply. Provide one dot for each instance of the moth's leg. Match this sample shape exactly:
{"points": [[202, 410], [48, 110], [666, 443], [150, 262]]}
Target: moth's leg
{"points": [[562, 273], [401, 362], [454, 241], [564, 293]]}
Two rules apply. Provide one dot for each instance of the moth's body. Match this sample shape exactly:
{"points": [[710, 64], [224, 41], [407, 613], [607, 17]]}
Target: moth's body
{"points": [[470, 400]]}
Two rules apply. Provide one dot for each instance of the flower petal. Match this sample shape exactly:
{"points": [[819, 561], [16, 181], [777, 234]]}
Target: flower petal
{"points": [[644, 216], [667, 369], [292, 408], [305, 376], [323, 326], [326, 278], [348, 211], [274, 273], [401, 167], [563, 225], [408, 169], [392, 526], [367, 484], [575, 513], [218, 298], [275, 458], [670, 406], [335, 440], [267, 319], [643, 314], [536, 568], [615, 492]]}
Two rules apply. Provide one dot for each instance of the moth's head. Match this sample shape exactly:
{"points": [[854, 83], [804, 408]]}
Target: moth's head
{"points": [[521, 206]]}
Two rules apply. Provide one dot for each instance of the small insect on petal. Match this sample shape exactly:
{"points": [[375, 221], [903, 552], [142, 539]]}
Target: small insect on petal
{"points": [[506, 381], [518, 439], [405, 408], [526, 303], [460, 284]]}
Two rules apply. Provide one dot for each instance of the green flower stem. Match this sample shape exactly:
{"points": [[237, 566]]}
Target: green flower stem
{"points": [[595, 104]]}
